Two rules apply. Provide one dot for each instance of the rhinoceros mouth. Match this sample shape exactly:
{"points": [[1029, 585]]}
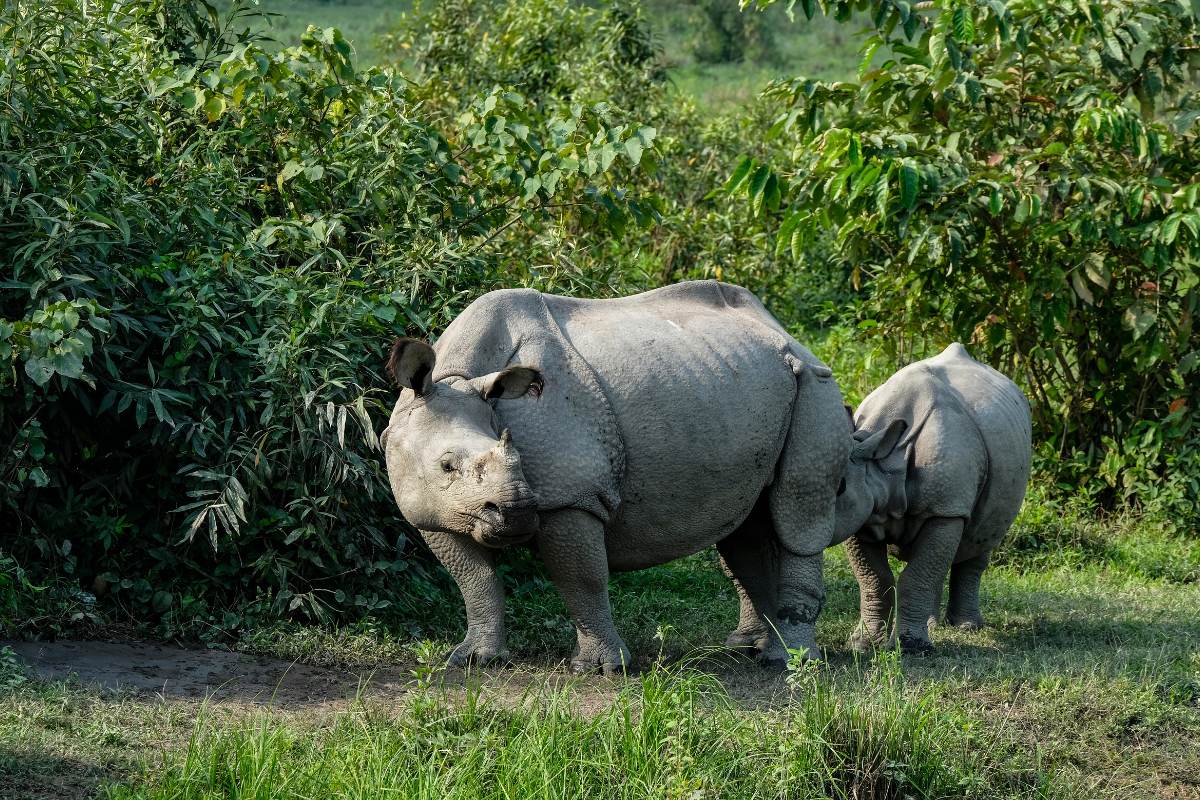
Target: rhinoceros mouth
{"points": [[503, 526]]}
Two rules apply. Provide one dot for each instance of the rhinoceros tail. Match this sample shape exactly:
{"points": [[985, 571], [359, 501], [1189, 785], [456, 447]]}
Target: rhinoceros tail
{"points": [[799, 367]]}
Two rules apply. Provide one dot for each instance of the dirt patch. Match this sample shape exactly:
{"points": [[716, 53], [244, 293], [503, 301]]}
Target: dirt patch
{"points": [[215, 675], [221, 676]]}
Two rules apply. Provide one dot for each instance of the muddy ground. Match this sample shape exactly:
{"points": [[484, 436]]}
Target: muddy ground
{"points": [[167, 672]]}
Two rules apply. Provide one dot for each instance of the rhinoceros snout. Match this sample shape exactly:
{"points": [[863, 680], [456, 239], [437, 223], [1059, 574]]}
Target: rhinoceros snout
{"points": [[507, 523]]}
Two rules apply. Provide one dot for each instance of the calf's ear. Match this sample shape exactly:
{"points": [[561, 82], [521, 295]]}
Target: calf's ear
{"points": [[879, 445], [510, 383], [411, 365]]}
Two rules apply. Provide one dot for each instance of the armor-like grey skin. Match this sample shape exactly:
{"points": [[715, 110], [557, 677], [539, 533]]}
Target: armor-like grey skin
{"points": [[938, 470], [640, 430]]}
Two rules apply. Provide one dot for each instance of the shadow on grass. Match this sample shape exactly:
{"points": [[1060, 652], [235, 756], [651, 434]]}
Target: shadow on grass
{"points": [[31, 774]]}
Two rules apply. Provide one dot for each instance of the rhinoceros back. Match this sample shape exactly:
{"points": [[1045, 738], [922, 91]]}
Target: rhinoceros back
{"points": [[685, 393], [1001, 412]]}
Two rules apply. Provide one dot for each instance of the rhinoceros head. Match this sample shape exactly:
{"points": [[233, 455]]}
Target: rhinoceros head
{"points": [[868, 489], [449, 468]]}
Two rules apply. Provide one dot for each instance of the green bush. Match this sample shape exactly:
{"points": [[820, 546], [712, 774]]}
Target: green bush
{"points": [[725, 35], [207, 249], [1021, 177]]}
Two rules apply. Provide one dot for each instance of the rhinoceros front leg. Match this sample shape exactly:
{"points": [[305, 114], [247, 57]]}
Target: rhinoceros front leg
{"points": [[932, 553], [473, 568], [963, 611], [571, 543], [876, 592]]}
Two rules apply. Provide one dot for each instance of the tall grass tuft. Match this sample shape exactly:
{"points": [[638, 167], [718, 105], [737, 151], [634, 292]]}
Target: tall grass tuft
{"points": [[674, 733]]}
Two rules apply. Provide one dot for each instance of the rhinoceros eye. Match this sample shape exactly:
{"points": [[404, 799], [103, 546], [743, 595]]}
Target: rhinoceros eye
{"points": [[448, 464]]}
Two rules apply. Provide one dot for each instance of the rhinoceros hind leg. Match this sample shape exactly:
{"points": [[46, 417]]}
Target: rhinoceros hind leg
{"points": [[963, 611], [931, 555], [571, 543], [748, 558], [801, 594]]}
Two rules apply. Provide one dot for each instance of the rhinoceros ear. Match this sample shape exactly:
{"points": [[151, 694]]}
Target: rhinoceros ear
{"points": [[510, 383], [411, 365], [879, 445]]}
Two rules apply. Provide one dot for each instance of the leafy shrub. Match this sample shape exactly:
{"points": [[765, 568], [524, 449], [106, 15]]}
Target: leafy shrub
{"points": [[550, 50], [1022, 177], [207, 248], [725, 35]]}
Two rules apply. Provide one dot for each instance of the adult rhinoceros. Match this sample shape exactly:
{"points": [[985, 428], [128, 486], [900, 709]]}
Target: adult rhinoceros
{"points": [[621, 434]]}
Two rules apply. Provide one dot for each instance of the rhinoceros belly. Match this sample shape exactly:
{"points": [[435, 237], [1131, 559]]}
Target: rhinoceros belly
{"points": [[703, 402]]}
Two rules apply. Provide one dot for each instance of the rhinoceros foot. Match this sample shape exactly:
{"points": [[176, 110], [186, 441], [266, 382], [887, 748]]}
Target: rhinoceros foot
{"points": [[914, 645], [748, 643], [478, 649], [865, 640], [597, 656], [971, 623]]}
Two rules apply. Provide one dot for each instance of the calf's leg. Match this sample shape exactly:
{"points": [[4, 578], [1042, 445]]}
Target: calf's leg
{"points": [[932, 553], [963, 611], [876, 592]]}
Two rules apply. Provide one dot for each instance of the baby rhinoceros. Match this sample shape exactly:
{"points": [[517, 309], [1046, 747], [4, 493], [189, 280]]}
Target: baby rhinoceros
{"points": [[937, 473]]}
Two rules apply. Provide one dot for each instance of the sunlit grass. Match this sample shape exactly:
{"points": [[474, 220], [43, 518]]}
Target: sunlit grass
{"points": [[673, 733]]}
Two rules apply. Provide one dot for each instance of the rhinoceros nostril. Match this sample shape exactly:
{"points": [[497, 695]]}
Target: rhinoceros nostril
{"points": [[491, 508]]}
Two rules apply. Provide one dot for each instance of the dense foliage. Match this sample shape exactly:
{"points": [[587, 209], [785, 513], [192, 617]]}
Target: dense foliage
{"points": [[206, 249], [207, 244], [1021, 176]]}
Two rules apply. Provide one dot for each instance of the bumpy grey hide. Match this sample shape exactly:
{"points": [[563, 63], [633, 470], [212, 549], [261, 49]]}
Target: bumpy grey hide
{"points": [[648, 428], [937, 473]]}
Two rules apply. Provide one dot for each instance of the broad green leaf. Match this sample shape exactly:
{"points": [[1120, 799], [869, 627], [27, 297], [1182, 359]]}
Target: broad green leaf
{"points": [[910, 182], [758, 183], [290, 170], [40, 370], [995, 202], [964, 26], [1169, 228], [1081, 288], [531, 186], [192, 98], [1024, 208], [1096, 270], [633, 149], [1138, 318], [214, 107], [740, 173]]}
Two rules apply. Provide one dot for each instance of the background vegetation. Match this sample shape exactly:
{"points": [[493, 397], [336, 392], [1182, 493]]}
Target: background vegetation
{"points": [[210, 236]]}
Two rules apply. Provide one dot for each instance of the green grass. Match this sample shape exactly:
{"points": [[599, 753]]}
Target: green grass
{"points": [[674, 733], [361, 21], [1085, 683]]}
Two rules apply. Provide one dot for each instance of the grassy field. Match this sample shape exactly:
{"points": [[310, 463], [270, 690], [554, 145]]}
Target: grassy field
{"points": [[1085, 683], [818, 49]]}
